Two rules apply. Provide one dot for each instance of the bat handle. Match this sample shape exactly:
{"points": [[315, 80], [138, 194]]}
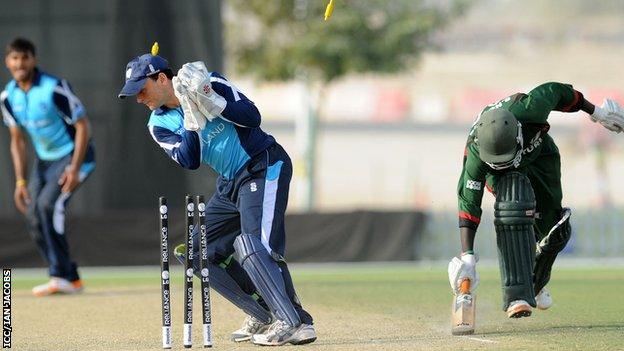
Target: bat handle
{"points": [[464, 286]]}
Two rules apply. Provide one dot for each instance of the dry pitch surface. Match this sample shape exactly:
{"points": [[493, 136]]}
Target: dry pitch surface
{"points": [[366, 307]]}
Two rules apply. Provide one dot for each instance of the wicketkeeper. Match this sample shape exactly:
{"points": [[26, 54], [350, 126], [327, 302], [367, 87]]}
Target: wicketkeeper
{"points": [[200, 117], [510, 152]]}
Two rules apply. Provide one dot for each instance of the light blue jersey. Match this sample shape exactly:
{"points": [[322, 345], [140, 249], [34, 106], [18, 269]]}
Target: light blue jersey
{"points": [[225, 144], [48, 112]]}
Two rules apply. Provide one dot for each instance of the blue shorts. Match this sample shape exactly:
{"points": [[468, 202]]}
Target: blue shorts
{"points": [[253, 202]]}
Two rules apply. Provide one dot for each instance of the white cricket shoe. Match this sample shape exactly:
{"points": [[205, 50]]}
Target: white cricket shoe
{"points": [[518, 309], [58, 286], [251, 326], [280, 333], [544, 299]]}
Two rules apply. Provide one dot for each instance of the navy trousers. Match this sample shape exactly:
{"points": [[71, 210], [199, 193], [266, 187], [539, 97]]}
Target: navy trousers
{"points": [[254, 202], [46, 213]]}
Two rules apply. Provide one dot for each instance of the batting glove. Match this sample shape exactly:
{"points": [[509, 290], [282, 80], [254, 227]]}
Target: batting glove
{"points": [[463, 268], [610, 115]]}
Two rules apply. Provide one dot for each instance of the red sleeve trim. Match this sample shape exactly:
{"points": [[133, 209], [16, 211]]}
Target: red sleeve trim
{"points": [[468, 216], [489, 188], [577, 97]]}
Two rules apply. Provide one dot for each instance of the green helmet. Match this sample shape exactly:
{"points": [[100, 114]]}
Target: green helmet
{"points": [[499, 136]]}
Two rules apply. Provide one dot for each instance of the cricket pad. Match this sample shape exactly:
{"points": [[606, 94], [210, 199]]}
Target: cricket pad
{"points": [[266, 276], [549, 247], [514, 212]]}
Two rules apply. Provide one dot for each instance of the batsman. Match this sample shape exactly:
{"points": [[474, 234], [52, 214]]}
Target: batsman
{"points": [[510, 152]]}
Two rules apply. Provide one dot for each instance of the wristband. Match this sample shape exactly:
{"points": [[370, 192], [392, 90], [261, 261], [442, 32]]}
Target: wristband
{"points": [[20, 182]]}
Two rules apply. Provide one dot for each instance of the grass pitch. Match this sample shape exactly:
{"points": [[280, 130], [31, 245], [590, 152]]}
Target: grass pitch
{"points": [[356, 307]]}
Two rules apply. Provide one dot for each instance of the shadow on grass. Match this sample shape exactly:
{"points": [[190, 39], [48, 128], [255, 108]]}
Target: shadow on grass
{"points": [[379, 341], [434, 337], [554, 329], [96, 292]]}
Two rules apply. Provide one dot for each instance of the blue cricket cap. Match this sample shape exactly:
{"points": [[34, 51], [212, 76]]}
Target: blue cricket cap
{"points": [[138, 70]]}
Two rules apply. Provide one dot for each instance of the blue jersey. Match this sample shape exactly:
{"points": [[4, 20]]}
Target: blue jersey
{"points": [[47, 111], [225, 144]]}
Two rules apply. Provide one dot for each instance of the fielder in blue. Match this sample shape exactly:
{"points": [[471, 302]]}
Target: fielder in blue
{"points": [[54, 118], [199, 117]]}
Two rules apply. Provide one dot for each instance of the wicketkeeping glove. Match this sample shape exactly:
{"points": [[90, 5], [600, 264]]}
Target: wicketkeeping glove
{"points": [[195, 78], [193, 119], [463, 268], [610, 115]]}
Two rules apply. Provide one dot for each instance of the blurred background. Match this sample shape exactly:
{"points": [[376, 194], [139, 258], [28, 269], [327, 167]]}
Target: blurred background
{"points": [[373, 105]]}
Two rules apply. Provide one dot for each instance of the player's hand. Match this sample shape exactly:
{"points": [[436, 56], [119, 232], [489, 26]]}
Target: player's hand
{"points": [[69, 180], [21, 198], [193, 74], [195, 78], [610, 115], [193, 119], [463, 268]]}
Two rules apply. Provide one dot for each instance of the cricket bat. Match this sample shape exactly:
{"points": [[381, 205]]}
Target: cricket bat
{"points": [[463, 311]]}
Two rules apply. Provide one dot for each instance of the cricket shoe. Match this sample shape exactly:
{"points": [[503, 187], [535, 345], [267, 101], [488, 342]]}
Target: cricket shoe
{"points": [[280, 333], [544, 299], [250, 327], [58, 286], [518, 309]]}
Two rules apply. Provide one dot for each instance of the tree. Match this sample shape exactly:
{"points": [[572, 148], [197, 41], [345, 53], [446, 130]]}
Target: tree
{"points": [[288, 39]]}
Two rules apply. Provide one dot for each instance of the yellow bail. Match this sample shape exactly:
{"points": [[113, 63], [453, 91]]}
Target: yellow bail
{"points": [[329, 9], [155, 49]]}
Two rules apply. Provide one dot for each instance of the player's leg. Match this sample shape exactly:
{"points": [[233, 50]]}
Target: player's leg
{"points": [[272, 227], [222, 227], [513, 219], [262, 201], [253, 324], [35, 184], [552, 224], [50, 207]]}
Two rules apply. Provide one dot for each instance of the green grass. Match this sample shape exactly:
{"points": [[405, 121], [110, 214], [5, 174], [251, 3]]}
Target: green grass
{"points": [[356, 307]]}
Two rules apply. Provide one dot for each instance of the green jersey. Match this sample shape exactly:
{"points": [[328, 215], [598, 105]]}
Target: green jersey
{"points": [[532, 111]]}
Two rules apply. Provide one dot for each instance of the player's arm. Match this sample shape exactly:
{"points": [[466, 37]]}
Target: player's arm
{"points": [[470, 190], [555, 96], [74, 113], [467, 236], [562, 97], [238, 109], [185, 148], [470, 193], [70, 179], [18, 155]]}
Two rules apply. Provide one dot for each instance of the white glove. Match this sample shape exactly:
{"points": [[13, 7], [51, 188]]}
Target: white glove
{"points": [[463, 268], [610, 115], [195, 78], [198, 65], [193, 119]]}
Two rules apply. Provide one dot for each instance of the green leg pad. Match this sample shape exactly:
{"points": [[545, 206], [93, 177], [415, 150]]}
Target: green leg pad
{"points": [[516, 255], [514, 212]]}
